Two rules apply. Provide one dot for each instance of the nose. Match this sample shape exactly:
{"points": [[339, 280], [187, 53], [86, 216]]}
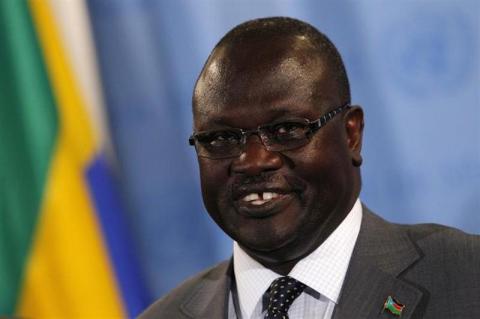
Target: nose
{"points": [[256, 159]]}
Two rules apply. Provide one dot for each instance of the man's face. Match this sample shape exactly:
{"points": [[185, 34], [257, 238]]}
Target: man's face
{"points": [[279, 206]]}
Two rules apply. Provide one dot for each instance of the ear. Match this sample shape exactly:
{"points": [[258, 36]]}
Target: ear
{"points": [[354, 129]]}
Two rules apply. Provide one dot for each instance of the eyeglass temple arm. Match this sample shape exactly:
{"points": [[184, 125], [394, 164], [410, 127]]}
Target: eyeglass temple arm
{"points": [[316, 125]]}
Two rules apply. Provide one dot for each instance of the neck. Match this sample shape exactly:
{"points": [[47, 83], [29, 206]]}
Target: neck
{"points": [[282, 269]]}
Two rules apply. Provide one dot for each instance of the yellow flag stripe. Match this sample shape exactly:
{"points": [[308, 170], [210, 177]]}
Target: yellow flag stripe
{"points": [[68, 273]]}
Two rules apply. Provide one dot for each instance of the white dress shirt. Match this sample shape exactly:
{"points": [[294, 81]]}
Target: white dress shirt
{"points": [[323, 271]]}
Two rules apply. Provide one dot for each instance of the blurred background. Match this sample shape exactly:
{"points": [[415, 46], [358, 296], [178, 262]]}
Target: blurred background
{"points": [[414, 67]]}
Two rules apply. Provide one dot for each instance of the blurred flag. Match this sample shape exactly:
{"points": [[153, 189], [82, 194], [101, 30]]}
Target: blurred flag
{"points": [[64, 250]]}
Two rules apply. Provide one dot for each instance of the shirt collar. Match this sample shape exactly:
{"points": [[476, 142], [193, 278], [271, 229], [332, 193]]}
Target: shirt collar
{"points": [[323, 270]]}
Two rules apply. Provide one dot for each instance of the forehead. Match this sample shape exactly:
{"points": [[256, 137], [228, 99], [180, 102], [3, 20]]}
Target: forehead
{"points": [[249, 85]]}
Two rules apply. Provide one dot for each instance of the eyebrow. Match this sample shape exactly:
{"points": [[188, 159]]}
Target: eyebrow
{"points": [[276, 113]]}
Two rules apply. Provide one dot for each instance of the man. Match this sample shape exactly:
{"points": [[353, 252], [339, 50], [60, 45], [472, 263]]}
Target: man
{"points": [[278, 146]]}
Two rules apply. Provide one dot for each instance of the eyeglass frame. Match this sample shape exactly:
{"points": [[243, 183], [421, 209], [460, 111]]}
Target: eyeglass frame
{"points": [[313, 127]]}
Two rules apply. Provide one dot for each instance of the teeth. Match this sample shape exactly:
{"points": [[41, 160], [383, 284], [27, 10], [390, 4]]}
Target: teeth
{"points": [[251, 197], [268, 195], [254, 198]]}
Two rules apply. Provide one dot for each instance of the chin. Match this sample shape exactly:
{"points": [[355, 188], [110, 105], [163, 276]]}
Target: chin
{"points": [[259, 243]]}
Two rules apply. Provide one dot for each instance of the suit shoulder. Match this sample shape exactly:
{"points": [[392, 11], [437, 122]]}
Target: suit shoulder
{"points": [[168, 306], [444, 241], [435, 233]]}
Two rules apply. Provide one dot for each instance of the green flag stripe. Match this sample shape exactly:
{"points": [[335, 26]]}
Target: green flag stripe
{"points": [[28, 127]]}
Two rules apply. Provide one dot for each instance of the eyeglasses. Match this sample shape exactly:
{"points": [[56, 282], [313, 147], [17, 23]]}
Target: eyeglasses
{"points": [[276, 136]]}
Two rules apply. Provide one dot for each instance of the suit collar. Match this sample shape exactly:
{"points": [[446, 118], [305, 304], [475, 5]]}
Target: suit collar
{"points": [[381, 254], [209, 300]]}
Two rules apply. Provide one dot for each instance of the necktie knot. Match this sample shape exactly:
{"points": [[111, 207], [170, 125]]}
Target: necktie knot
{"points": [[282, 292]]}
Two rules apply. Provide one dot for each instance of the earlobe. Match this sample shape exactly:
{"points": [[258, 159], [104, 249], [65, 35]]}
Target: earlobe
{"points": [[354, 128]]}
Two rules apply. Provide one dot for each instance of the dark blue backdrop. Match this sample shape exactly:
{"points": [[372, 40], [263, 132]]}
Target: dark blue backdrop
{"points": [[413, 66]]}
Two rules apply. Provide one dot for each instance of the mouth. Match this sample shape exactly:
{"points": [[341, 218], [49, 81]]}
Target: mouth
{"points": [[262, 204]]}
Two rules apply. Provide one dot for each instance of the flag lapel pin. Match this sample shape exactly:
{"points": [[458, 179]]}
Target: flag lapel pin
{"points": [[393, 306]]}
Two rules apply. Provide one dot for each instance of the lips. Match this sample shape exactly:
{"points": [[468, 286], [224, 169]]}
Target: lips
{"points": [[262, 201]]}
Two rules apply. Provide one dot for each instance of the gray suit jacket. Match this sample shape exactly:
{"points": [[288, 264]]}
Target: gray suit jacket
{"points": [[433, 270]]}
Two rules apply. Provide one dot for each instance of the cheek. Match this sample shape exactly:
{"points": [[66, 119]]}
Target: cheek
{"points": [[213, 178], [323, 165]]}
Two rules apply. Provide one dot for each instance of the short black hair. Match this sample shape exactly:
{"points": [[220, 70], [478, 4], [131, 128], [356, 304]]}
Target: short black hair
{"points": [[284, 26]]}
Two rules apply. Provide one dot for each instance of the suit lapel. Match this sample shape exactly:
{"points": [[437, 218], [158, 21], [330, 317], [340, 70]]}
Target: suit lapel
{"points": [[381, 254], [210, 299]]}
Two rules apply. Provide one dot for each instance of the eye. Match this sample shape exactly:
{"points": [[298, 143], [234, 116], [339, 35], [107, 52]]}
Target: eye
{"points": [[291, 128], [223, 137], [220, 138]]}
